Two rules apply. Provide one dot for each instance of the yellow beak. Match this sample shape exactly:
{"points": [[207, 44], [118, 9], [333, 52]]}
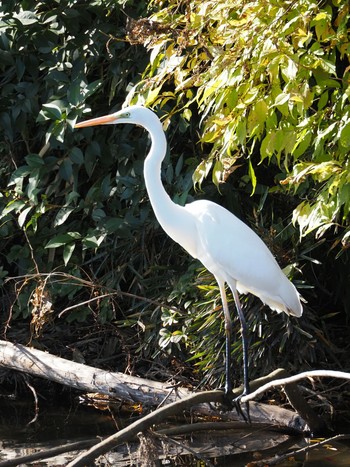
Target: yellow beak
{"points": [[96, 121]]}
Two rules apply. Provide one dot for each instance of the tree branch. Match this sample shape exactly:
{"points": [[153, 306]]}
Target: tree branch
{"points": [[293, 379]]}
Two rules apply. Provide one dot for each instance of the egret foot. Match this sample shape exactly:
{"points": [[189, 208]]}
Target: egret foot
{"points": [[230, 402], [236, 402]]}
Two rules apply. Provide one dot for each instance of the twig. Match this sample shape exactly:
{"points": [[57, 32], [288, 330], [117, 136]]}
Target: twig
{"points": [[44, 149], [294, 379], [36, 402], [31, 252], [77, 280]]}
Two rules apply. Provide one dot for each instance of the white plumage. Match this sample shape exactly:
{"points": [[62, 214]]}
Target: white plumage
{"points": [[226, 246]]}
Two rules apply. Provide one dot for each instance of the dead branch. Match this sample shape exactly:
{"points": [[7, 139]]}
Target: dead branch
{"points": [[85, 378], [293, 379]]}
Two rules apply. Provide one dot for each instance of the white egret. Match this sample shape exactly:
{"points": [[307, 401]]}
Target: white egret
{"points": [[227, 247]]}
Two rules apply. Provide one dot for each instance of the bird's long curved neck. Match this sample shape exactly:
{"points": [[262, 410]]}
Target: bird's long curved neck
{"points": [[159, 198], [168, 214]]}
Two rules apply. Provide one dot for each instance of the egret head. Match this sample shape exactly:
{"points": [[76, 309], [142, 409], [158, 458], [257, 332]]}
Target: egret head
{"points": [[135, 114]]}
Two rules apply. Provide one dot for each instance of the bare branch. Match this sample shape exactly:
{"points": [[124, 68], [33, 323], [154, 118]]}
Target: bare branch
{"points": [[294, 379]]}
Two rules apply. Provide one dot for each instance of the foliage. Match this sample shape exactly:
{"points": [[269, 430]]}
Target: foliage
{"points": [[56, 202], [79, 239], [270, 81], [252, 89]]}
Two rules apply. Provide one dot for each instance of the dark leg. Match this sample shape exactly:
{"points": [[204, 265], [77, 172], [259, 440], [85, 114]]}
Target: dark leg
{"points": [[228, 364], [246, 389], [228, 333], [244, 332]]}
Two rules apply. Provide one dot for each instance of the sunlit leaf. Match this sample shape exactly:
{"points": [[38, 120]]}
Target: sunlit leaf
{"points": [[22, 217], [252, 176], [63, 239], [67, 252], [63, 215], [52, 111]]}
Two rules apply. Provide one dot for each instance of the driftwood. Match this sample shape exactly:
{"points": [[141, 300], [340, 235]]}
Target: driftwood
{"points": [[85, 378], [149, 393], [169, 401]]}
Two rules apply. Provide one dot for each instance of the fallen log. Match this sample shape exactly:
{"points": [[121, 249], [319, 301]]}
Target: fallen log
{"points": [[150, 393], [85, 378], [168, 400]]}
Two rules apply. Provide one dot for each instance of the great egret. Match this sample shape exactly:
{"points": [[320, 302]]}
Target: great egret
{"points": [[226, 246]]}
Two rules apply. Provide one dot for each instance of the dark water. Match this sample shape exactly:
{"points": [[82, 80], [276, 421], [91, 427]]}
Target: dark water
{"points": [[61, 420], [66, 421]]}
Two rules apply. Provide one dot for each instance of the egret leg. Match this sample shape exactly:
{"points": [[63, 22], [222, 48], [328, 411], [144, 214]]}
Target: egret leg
{"points": [[228, 366], [228, 333], [244, 332]]}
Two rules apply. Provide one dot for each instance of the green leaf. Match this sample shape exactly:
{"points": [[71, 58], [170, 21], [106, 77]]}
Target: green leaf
{"points": [[92, 241], [18, 176], [67, 252], [34, 161], [32, 186], [281, 99], [91, 88], [71, 197], [66, 170], [344, 137], [113, 224], [257, 117], [52, 111], [98, 214], [92, 152], [63, 239], [74, 93], [268, 145], [63, 215], [201, 172], [27, 18], [76, 155], [14, 205], [217, 172], [252, 175], [22, 217], [57, 129], [289, 71], [302, 143]]}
